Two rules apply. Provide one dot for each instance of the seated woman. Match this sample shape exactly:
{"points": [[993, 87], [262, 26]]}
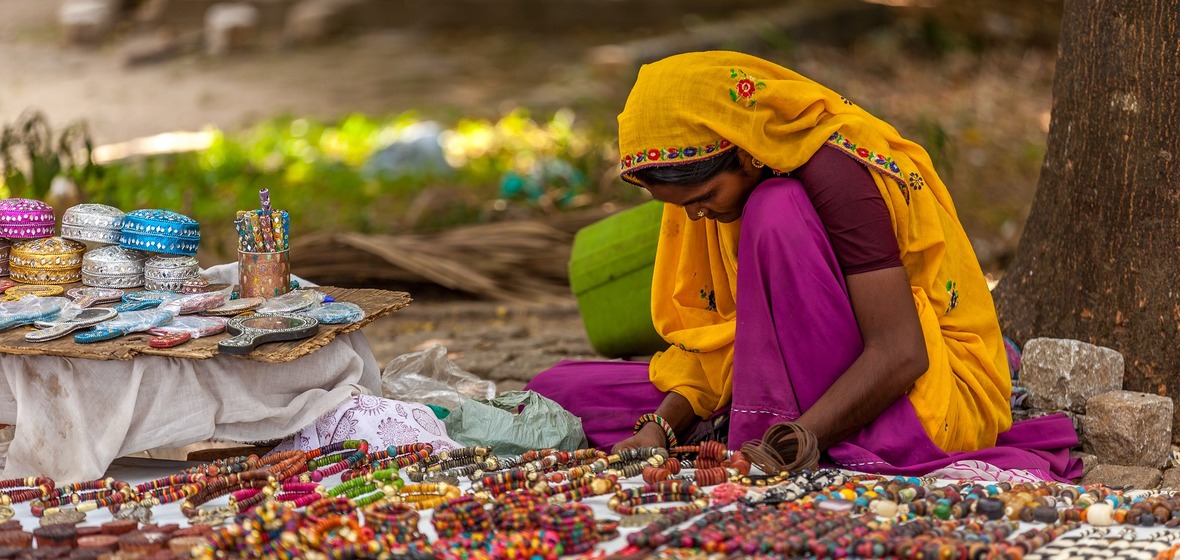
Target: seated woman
{"points": [[811, 269]]}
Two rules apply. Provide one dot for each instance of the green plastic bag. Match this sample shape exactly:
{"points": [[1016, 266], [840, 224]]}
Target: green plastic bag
{"points": [[541, 424]]}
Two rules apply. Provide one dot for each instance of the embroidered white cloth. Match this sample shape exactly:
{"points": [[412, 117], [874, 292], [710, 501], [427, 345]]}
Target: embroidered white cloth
{"points": [[74, 416], [381, 422]]}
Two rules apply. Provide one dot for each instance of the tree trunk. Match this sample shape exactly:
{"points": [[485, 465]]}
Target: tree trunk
{"points": [[1100, 255]]}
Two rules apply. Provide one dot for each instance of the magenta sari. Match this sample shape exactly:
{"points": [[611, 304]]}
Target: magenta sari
{"points": [[796, 333]]}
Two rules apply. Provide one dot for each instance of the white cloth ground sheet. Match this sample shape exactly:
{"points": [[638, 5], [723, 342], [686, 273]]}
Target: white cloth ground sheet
{"points": [[73, 417]]}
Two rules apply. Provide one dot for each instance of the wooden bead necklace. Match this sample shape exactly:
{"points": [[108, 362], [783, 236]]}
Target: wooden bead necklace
{"points": [[17, 490], [630, 501], [427, 495]]}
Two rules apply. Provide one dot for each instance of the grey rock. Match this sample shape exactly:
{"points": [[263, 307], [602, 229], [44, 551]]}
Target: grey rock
{"points": [[1171, 478], [1123, 476], [1129, 428], [1088, 461], [1061, 374]]}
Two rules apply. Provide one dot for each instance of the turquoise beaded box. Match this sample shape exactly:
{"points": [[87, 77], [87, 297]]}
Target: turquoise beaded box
{"points": [[160, 231]]}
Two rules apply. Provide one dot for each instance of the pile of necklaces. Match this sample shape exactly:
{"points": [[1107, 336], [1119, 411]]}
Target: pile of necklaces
{"points": [[347, 500]]}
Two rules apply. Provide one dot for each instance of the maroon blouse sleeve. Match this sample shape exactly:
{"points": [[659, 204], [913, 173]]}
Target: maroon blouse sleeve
{"points": [[851, 210]]}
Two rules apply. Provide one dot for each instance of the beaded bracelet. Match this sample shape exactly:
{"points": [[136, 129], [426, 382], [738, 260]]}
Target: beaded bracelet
{"points": [[517, 511], [578, 489], [669, 433], [574, 524], [461, 515], [428, 495], [397, 519], [631, 501]]}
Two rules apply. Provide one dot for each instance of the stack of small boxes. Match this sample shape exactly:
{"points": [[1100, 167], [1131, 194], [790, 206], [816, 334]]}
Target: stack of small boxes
{"points": [[99, 245]]}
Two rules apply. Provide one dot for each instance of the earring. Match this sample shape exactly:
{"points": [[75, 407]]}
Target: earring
{"points": [[757, 164], [700, 213]]}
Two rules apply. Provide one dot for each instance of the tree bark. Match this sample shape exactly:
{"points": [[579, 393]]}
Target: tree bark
{"points": [[1100, 255]]}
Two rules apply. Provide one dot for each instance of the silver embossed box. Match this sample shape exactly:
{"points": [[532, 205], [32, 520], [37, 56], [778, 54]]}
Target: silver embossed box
{"points": [[113, 267], [92, 222], [169, 273]]}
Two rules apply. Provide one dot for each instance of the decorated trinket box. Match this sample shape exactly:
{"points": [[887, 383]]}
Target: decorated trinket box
{"points": [[5, 247], [50, 260], [25, 218], [92, 222], [113, 267], [160, 231], [169, 273]]}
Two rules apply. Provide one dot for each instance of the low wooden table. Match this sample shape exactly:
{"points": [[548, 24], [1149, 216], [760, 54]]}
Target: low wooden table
{"points": [[375, 303], [108, 399]]}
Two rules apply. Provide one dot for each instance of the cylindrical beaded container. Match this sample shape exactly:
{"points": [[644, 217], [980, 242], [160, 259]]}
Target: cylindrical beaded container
{"points": [[97, 223], [113, 267], [25, 218], [169, 273], [160, 231], [51, 260]]}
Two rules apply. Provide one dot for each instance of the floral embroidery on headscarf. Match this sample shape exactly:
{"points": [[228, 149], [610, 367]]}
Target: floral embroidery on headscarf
{"points": [[745, 86], [879, 162], [654, 155], [711, 296], [916, 181], [952, 288]]}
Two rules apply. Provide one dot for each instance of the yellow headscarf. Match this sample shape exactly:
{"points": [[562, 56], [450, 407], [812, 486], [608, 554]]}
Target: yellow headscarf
{"points": [[694, 106]]}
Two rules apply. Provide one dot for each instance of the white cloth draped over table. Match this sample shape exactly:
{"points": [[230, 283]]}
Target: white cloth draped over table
{"points": [[73, 417]]}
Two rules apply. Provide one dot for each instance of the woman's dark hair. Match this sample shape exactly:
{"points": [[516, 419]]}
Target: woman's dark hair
{"points": [[691, 173]]}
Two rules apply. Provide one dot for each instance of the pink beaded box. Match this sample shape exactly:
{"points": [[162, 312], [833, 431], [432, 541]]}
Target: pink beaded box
{"points": [[24, 218]]}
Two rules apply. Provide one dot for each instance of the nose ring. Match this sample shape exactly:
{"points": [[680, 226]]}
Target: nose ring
{"points": [[700, 213]]}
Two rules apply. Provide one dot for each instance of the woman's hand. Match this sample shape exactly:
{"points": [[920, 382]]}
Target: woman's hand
{"points": [[650, 435]]}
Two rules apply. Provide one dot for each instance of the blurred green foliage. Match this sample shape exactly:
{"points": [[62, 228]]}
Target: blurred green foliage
{"points": [[359, 174]]}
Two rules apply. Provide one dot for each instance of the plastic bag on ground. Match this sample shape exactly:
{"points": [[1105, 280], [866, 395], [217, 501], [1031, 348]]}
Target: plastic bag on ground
{"points": [[429, 377], [515, 422]]}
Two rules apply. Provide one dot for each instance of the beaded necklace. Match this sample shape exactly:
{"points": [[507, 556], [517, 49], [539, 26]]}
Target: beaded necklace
{"points": [[17, 490], [428, 495], [335, 458], [83, 496], [400, 456], [272, 468], [631, 501], [370, 487], [439, 462]]}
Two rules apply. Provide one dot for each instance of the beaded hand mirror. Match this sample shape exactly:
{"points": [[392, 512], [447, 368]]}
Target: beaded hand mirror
{"points": [[87, 318], [15, 314], [236, 307], [146, 299], [90, 296], [253, 330], [43, 290]]}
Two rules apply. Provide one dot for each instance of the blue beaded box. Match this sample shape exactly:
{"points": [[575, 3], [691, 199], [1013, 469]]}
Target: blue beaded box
{"points": [[160, 231]]}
